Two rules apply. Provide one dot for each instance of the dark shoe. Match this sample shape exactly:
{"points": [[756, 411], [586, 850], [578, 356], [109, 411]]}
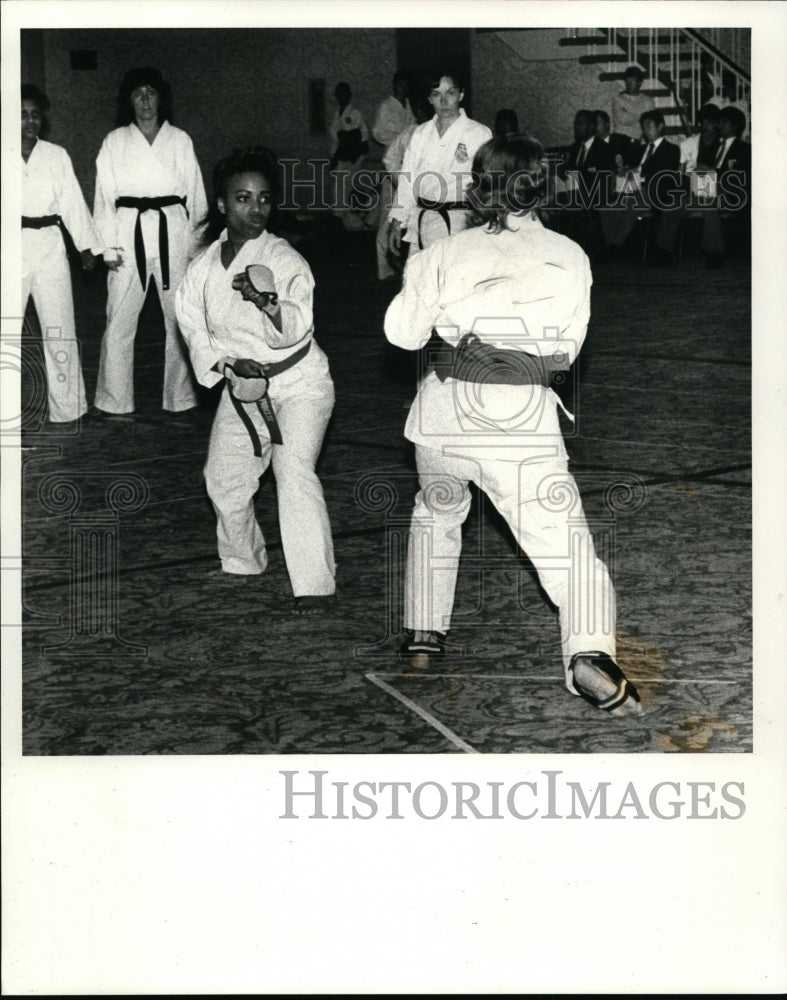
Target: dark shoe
{"points": [[314, 604], [419, 654], [99, 414], [624, 700]]}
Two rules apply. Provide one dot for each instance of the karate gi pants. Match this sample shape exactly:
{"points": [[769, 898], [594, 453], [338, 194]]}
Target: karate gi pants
{"points": [[47, 278], [232, 475], [541, 505], [387, 190], [125, 298]]}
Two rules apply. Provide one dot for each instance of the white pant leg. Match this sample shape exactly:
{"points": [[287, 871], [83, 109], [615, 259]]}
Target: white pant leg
{"points": [[125, 298], [232, 477], [48, 281], [384, 269], [435, 541], [303, 516], [179, 389], [541, 504]]}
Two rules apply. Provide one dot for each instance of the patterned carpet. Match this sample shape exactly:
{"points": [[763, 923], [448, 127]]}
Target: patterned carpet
{"points": [[187, 661]]}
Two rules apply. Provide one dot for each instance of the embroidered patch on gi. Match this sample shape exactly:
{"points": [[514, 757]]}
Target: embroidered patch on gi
{"points": [[461, 153]]}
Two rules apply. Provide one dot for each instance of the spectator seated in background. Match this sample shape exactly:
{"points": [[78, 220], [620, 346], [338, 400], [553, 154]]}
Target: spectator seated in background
{"points": [[617, 143], [698, 151], [648, 185], [587, 171], [698, 155], [629, 105], [506, 123], [733, 182]]}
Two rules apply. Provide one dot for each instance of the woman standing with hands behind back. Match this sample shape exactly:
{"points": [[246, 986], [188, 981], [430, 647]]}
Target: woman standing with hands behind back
{"points": [[149, 205], [245, 308]]}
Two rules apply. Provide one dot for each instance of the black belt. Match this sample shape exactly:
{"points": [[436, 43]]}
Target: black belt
{"points": [[474, 361], [40, 221], [442, 208], [264, 405], [147, 205]]}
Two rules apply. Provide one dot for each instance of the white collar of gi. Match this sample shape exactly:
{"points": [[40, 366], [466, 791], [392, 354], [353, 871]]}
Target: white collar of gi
{"points": [[462, 115], [519, 222]]}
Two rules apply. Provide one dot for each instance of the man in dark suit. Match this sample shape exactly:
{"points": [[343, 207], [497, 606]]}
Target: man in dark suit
{"points": [[617, 143], [579, 170], [655, 163], [583, 137], [728, 223]]}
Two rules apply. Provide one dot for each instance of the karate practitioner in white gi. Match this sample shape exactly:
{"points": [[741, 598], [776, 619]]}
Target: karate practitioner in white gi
{"points": [[436, 170], [511, 302], [392, 161], [149, 208], [245, 309], [351, 136], [50, 196]]}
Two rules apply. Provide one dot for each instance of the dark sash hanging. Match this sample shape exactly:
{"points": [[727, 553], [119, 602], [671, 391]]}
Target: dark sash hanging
{"points": [[152, 205]]}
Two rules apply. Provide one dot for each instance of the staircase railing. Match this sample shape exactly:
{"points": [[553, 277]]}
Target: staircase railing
{"points": [[682, 59]]}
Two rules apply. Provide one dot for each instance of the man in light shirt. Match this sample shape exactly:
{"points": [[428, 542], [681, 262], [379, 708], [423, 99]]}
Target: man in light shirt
{"points": [[392, 161], [511, 302], [394, 114]]}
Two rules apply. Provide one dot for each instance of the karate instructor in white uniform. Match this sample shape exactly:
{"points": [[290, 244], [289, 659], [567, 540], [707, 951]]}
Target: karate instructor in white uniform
{"points": [[51, 198], [436, 169], [511, 302], [149, 208]]}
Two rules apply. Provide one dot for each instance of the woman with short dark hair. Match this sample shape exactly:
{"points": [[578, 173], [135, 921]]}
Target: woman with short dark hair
{"points": [[245, 308], [436, 168], [149, 205], [511, 302], [51, 199]]}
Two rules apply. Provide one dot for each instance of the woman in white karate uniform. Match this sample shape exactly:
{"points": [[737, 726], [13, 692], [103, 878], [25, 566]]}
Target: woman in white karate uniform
{"points": [[511, 302], [149, 208], [51, 197], [245, 309], [435, 170]]}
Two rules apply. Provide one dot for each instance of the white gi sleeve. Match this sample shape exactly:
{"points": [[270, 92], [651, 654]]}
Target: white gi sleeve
{"points": [[404, 200], [73, 210], [574, 334], [363, 128], [295, 288], [104, 211], [196, 201], [411, 316], [190, 310]]}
